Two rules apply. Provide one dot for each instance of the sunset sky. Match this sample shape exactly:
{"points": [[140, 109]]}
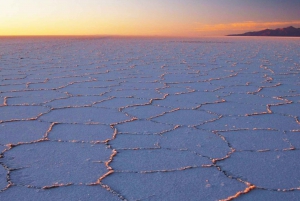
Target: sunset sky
{"points": [[190, 18]]}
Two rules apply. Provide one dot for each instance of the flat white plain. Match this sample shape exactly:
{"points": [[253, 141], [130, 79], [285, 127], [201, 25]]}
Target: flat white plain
{"points": [[149, 119]]}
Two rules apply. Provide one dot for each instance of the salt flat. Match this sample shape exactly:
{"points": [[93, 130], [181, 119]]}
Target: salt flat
{"points": [[149, 119]]}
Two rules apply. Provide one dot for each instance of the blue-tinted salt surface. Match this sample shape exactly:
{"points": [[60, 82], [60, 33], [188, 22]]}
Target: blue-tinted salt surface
{"points": [[149, 119]]}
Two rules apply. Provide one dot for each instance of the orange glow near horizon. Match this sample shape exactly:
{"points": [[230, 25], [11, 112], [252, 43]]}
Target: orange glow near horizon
{"points": [[188, 18]]}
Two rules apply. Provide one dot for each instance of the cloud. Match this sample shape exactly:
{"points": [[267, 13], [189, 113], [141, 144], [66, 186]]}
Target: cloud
{"points": [[244, 26]]}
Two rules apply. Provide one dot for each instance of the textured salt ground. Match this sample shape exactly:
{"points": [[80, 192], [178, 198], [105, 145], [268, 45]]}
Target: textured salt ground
{"points": [[30, 131], [61, 193], [149, 119], [178, 185], [65, 162], [247, 165]]}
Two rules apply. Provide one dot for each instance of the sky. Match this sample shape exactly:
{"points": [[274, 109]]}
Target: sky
{"points": [[183, 18]]}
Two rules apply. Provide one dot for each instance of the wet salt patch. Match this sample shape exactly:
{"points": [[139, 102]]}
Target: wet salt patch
{"points": [[272, 121], [233, 108], [79, 132], [85, 115], [143, 127], [116, 103], [204, 183], [128, 141], [259, 194], [186, 117], [144, 112], [46, 163], [269, 165], [198, 141], [8, 113], [31, 131], [61, 193], [256, 139], [154, 160], [77, 101]]}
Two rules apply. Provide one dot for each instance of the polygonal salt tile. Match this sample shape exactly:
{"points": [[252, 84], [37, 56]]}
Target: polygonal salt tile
{"points": [[8, 113], [274, 92], [294, 138], [204, 183], [232, 108], [85, 115], [241, 89], [265, 169], [46, 163], [127, 141], [187, 101], [252, 99], [46, 85], [33, 97], [175, 78], [266, 121], [12, 87], [295, 99], [65, 79], [256, 139], [140, 85], [18, 193], [201, 142], [80, 132], [186, 117], [75, 101], [143, 127], [116, 103], [144, 112], [3, 180], [138, 93], [153, 160], [198, 86], [259, 194], [174, 90], [75, 91], [288, 109], [22, 131], [93, 84]]}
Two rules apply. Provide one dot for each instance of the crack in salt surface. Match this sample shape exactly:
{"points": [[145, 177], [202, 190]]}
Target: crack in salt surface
{"points": [[189, 110]]}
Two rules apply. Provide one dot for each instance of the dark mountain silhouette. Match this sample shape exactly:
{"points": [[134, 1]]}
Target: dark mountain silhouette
{"points": [[288, 31]]}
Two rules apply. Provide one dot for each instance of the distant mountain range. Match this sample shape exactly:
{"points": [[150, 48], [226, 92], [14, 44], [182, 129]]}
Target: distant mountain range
{"points": [[287, 32]]}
